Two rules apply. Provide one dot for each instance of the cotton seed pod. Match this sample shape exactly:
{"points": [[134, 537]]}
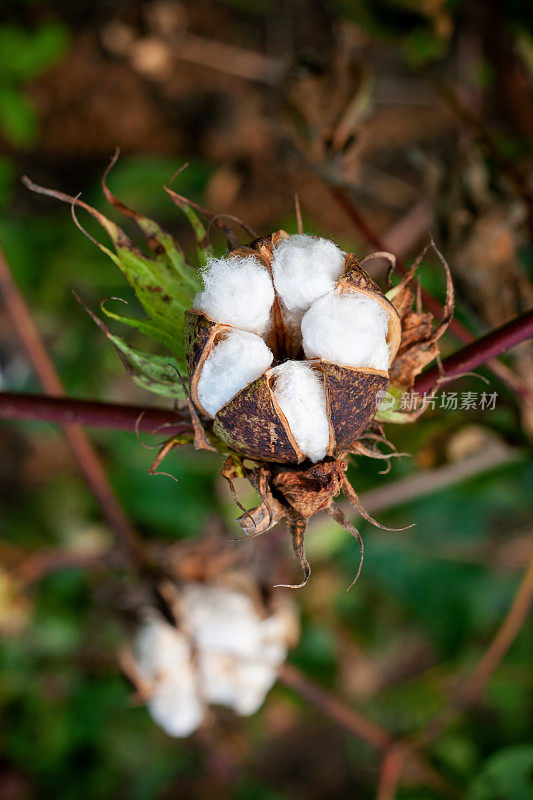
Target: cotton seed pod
{"points": [[265, 403]]}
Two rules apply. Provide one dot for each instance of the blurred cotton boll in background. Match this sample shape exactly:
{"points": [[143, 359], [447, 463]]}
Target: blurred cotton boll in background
{"points": [[226, 651], [164, 660]]}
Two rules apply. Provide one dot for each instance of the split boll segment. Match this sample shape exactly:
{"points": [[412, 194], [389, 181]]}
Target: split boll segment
{"points": [[287, 347]]}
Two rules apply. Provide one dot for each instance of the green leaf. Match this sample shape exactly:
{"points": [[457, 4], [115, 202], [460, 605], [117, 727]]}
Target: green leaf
{"points": [[506, 775], [18, 120], [161, 293], [26, 53], [146, 326], [152, 372]]}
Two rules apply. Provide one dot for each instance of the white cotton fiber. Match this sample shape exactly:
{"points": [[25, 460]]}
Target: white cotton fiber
{"points": [[235, 361], [380, 357], [345, 329], [305, 268], [238, 292], [165, 661], [299, 391], [238, 652]]}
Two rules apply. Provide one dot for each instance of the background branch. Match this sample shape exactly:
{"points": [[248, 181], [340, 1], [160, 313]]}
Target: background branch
{"points": [[480, 351], [85, 454]]}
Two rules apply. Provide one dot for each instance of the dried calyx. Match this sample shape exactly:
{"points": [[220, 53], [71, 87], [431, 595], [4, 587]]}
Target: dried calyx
{"points": [[287, 346]]}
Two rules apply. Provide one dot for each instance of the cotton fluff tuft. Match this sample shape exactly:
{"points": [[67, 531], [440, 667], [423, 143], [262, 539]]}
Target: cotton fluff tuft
{"points": [[380, 357], [299, 391], [238, 292], [237, 653], [235, 361], [164, 660], [305, 268], [345, 329], [238, 650]]}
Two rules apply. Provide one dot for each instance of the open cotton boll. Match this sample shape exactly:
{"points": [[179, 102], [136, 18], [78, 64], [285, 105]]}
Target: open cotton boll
{"points": [[238, 651], [235, 361], [344, 329], [237, 291], [305, 268], [299, 391], [164, 660]]}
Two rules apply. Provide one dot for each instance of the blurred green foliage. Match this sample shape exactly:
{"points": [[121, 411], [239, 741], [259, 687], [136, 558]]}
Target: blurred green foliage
{"points": [[69, 729], [25, 54]]}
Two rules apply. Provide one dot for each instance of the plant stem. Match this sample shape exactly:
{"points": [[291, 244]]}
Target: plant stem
{"points": [[65, 411], [91, 413], [480, 351], [348, 718], [357, 724]]}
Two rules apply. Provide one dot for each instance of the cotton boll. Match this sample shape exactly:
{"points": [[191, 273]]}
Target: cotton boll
{"points": [[220, 619], [300, 394], [236, 683], [235, 361], [237, 291], [238, 651], [305, 268], [175, 707], [164, 660], [344, 329]]}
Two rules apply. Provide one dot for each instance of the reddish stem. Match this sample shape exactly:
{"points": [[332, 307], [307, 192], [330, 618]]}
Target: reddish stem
{"points": [[126, 418], [91, 413], [473, 355]]}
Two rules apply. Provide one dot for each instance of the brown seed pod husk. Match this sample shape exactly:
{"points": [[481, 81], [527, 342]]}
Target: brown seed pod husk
{"points": [[351, 394], [356, 279], [252, 423]]}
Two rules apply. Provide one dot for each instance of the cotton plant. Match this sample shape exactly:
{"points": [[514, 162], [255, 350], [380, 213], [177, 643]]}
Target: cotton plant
{"points": [[279, 351]]}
